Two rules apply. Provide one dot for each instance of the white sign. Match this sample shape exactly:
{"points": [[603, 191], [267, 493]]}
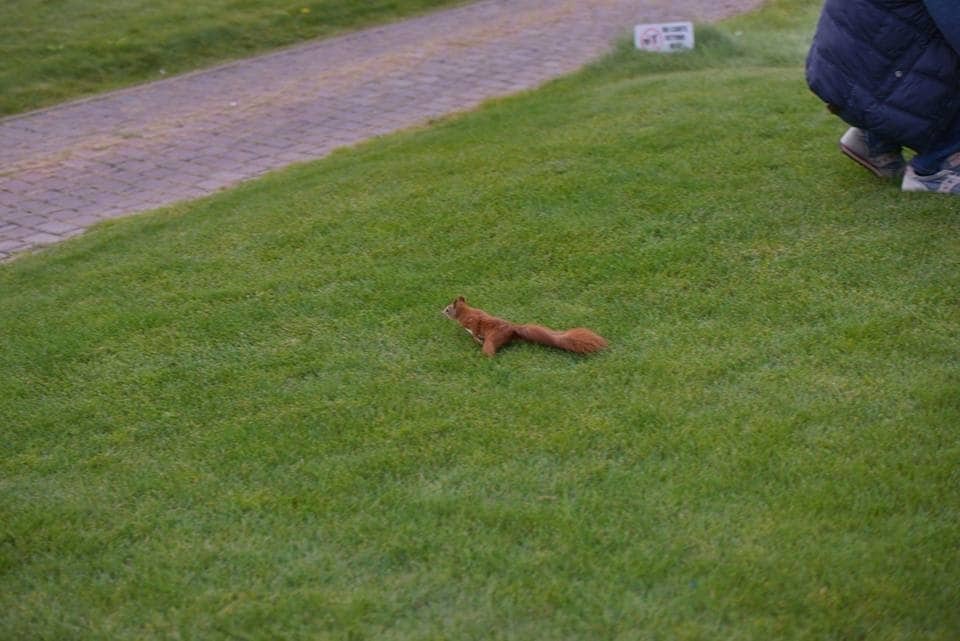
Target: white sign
{"points": [[666, 36]]}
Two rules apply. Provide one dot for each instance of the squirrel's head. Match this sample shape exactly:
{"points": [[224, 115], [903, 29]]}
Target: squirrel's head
{"points": [[453, 309]]}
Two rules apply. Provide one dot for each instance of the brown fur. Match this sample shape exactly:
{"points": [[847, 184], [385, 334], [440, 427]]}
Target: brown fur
{"points": [[493, 333]]}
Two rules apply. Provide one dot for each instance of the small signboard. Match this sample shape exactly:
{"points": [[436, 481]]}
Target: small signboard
{"points": [[664, 37]]}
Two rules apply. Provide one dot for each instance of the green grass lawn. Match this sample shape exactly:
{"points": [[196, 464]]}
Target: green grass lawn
{"points": [[245, 417], [52, 50]]}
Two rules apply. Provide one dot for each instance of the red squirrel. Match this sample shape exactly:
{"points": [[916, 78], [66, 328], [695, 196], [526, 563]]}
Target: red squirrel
{"points": [[493, 333]]}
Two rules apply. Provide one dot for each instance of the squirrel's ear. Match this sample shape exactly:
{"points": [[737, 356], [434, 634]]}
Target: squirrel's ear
{"points": [[461, 299]]}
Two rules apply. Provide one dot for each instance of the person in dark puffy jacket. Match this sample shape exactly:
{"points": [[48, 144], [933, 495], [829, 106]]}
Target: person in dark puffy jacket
{"points": [[891, 70]]}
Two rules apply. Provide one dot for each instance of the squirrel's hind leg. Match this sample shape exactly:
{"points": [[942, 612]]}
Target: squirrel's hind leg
{"points": [[495, 340]]}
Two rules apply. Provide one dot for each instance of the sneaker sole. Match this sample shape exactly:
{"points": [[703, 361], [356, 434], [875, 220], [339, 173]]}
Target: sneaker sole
{"points": [[866, 164], [911, 182]]}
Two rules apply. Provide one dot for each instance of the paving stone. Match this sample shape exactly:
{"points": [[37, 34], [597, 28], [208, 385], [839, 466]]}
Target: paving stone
{"points": [[56, 227], [42, 238], [29, 220], [10, 246], [79, 221]]}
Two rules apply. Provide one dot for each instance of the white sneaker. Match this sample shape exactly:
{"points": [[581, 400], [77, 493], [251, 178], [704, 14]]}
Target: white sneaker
{"points": [[886, 165], [945, 181]]}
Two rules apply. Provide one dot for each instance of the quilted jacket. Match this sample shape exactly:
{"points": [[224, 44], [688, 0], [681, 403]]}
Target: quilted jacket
{"points": [[883, 65]]}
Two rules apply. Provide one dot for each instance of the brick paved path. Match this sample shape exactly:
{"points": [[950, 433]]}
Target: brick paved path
{"points": [[65, 168]]}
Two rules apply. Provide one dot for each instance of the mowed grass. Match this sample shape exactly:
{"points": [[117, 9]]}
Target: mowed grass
{"points": [[53, 50], [245, 418]]}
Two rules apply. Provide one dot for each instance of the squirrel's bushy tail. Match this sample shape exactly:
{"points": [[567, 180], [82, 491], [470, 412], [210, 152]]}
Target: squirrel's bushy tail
{"points": [[579, 340]]}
